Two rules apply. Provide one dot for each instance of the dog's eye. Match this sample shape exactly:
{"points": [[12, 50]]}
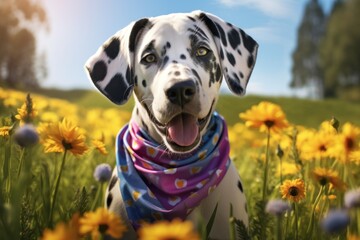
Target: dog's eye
{"points": [[150, 58], [202, 51]]}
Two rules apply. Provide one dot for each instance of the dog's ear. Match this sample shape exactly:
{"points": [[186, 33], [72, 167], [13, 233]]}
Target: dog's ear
{"points": [[237, 51], [110, 68]]}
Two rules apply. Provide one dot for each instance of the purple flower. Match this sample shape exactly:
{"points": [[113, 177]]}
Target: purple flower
{"points": [[26, 136], [352, 198], [277, 207], [335, 221], [102, 172]]}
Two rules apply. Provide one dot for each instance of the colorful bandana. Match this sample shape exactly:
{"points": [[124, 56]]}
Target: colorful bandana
{"points": [[156, 184]]}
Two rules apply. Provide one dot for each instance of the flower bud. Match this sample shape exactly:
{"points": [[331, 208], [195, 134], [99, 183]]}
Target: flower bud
{"points": [[335, 221], [26, 136], [102, 172], [277, 207]]}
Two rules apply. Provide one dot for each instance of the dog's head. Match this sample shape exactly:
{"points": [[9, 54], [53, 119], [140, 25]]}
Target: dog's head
{"points": [[175, 65]]}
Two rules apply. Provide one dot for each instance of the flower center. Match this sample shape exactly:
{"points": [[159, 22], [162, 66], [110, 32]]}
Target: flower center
{"points": [[103, 228], [322, 148], [323, 181], [349, 144], [269, 123], [294, 191], [66, 145]]}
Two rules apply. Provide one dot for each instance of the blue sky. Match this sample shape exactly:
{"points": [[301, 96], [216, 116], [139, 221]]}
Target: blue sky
{"points": [[78, 28]]}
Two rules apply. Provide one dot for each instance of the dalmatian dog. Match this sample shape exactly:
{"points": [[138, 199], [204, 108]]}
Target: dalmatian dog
{"points": [[174, 64]]}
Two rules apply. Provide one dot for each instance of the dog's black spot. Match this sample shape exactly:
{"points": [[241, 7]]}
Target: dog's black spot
{"points": [[226, 69], [234, 84], [168, 45], [222, 54], [137, 111], [239, 52], [234, 38], [177, 73], [166, 59], [222, 34], [138, 26], [182, 56], [112, 49], [229, 24], [109, 200], [239, 185], [196, 75], [218, 73], [113, 181], [191, 18], [144, 83], [145, 126], [231, 58], [175, 61], [99, 71], [250, 61], [128, 75], [136, 80], [117, 90], [241, 74], [249, 43], [209, 24]]}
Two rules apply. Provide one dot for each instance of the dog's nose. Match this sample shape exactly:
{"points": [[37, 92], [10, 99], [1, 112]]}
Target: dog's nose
{"points": [[181, 93]]}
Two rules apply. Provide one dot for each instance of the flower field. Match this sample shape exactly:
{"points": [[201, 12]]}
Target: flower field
{"points": [[56, 158]]}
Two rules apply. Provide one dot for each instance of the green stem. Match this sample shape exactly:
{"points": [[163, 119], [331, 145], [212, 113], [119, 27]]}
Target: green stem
{"points": [[54, 195], [309, 231], [296, 221], [266, 167], [278, 227], [21, 161], [97, 196]]}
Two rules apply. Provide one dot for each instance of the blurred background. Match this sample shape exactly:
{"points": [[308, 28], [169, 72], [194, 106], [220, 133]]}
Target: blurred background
{"points": [[308, 48]]}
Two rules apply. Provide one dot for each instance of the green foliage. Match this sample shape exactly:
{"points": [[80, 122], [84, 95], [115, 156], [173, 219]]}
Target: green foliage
{"points": [[19, 63], [340, 50], [306, 68]]}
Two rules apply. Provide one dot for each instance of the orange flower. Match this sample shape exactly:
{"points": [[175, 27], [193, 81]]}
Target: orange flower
{"points": [[293, 190], [63, 136], [101, 223], [326, 176], [265, 116], [162, 230]]}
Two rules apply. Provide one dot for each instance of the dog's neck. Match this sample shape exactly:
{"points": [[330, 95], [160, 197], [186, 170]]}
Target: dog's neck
{"points": [[140, 116]]}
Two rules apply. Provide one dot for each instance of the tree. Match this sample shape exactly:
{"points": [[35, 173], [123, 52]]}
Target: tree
{"points": [[306, 68], [340, 51], [19, 62]]}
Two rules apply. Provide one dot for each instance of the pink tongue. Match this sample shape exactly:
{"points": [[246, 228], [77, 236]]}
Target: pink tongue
{"points": [[183, 129]]}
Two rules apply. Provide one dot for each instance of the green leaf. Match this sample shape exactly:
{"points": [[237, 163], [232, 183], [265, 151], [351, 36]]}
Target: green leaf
{"points": [[210, 223]]}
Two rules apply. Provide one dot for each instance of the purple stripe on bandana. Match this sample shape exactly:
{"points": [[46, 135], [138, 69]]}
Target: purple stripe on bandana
{"points": [[156, 184]]}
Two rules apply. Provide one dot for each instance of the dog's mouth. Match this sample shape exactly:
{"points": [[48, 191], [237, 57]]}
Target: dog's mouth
{"points": [[182, 131]]}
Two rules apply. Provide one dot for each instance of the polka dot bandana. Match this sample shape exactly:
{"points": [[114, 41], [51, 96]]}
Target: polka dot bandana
{"points": [[157, 184]]}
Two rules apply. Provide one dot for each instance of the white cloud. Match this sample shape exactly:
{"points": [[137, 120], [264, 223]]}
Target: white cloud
{"points": [[264, 34], [273, 8]]}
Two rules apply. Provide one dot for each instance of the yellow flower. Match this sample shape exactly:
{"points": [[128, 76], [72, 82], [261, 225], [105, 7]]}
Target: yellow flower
{"points": [[102, 222], [63, 136], [265, 116], [320, 146], [5, 131], [349, 137], [63, 231], [287, 169], [163, 230], [100, 146], [355, 156], [293, 190], [325, 176], [27, 112]]}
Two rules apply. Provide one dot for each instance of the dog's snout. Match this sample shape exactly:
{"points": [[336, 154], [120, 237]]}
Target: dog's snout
{"points": [[181, 93]]}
